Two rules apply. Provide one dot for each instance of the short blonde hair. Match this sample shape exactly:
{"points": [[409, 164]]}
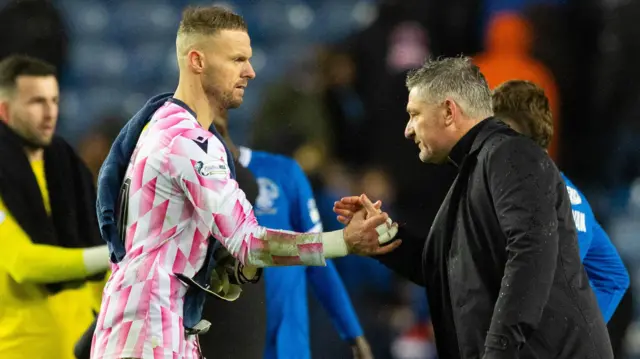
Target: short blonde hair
{"points": [[208, 20], [525, 104]]}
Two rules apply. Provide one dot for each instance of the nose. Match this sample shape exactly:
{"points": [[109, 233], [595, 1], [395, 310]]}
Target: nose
{"points": [[409, 133], [249, 72], [50, 110]]}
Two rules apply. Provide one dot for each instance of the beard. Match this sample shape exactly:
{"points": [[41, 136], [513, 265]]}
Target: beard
{"points": [[29, 139], [34, 142], [225, 98]]}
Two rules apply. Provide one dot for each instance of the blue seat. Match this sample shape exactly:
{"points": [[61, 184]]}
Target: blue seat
{"points": [[85, 18], [136, 21], [95, 61], [334, 21], [147, 61]]}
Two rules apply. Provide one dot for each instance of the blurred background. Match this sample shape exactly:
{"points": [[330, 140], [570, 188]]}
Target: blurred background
{"points": [[330, 92]]}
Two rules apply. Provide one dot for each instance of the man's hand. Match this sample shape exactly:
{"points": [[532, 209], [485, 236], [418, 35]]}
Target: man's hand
{"points": [[361, 349], [348, 206], [368, 230]]}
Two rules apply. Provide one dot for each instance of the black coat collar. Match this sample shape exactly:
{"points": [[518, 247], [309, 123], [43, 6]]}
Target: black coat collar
{"points": [[73, 222], [472, 141]]}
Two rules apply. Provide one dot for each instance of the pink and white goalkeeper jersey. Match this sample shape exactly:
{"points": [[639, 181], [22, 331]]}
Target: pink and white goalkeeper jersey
{"points": [[180, 193]]}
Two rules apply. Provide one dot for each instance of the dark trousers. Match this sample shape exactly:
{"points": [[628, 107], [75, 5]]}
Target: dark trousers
{"points": [[619, 324]]}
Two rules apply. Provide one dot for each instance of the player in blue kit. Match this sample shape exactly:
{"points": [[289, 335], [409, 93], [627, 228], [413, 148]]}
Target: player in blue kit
{"points": [[285, 201], [524, 106]]}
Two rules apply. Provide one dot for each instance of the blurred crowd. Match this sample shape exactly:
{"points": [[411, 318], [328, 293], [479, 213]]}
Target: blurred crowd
{"points": [[330, 93]]}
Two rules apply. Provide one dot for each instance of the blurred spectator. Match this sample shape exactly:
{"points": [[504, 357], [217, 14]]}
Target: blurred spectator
{"points": [[95, 146], [293, 120], [616, 91], [397, 41], [415, 343], [565, 41], [344, 106], [507, 57], [34, 28]]}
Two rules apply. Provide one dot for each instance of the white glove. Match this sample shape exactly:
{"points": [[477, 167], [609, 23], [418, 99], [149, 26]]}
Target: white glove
{"points": [[386, 232]]}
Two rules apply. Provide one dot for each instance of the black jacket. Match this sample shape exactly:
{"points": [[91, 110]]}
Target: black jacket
{"points": [[501, 264]]}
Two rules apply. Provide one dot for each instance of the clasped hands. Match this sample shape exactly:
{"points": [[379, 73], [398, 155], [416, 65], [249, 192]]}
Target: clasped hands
{"points": [[368, 230]]}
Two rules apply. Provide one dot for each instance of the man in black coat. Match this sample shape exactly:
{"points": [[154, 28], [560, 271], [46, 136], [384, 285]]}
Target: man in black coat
{"points": [[501, 263]]}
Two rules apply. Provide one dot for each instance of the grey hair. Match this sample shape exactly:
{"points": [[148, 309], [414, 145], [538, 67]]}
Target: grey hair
{"points": [[457, 78]]}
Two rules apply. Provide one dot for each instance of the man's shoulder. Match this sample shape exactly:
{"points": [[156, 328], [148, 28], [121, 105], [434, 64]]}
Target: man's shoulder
{"points": [[576, 197], [503, 144], [179, 133]]}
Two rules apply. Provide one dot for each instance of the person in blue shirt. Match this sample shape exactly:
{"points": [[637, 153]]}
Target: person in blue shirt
{"points": [[524, 106], [285, 201]]}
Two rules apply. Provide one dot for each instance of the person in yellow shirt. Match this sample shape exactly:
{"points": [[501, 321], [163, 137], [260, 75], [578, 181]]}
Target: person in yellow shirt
{"points": [[52, 259]]}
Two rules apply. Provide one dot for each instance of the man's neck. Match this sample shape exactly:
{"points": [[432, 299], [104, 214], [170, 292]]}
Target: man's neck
{"points": [[468, 124], [190, 92], [222, 126], [34, 155]]}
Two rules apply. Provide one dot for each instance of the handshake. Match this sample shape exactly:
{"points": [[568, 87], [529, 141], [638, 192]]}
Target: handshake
{"points": [[368, 232], [360, 218]]}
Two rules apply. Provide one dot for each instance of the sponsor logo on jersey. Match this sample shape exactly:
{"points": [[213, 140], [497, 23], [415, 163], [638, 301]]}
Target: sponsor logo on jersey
{"points": [[211, 169]]}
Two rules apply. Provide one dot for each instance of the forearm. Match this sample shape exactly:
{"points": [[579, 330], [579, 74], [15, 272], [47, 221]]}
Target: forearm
{"points": [[406, 260], [38, 263], [49, 264], [607, 273], [264, 247], [330, 291]]}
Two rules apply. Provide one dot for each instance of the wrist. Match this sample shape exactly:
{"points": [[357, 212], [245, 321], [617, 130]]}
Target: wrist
{"points": [[333, 244], [96, 259]]}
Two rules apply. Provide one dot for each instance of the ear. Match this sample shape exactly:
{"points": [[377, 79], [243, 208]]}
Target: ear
{"points": [[196, 61], [4, 111], [450, 109]]}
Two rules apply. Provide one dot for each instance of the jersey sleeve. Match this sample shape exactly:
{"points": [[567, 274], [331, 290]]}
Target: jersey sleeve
{"points": [[204, 178], [27, 262], [305, 214], [606, 271], [582, 217]]}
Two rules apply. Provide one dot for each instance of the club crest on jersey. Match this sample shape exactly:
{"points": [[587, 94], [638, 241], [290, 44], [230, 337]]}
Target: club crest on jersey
{"points": [[268, 194], [211, 169]]}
